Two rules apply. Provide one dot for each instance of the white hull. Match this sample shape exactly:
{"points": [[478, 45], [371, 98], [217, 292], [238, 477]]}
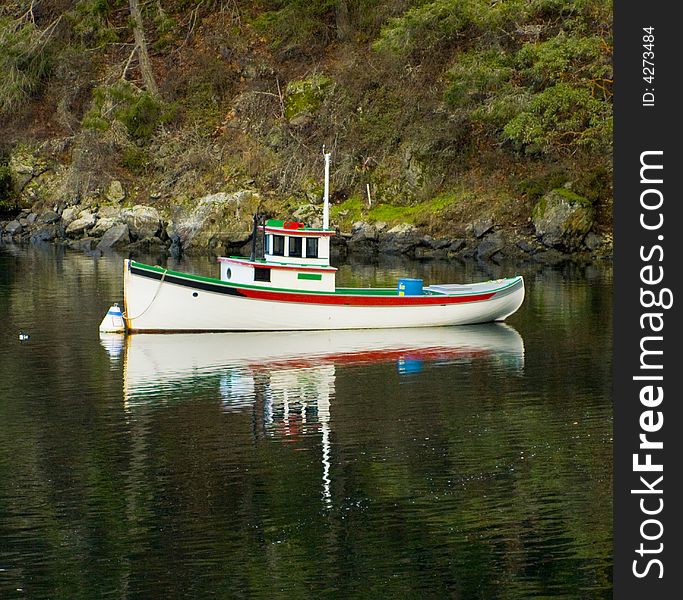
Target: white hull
{"points": [[160, 305]]}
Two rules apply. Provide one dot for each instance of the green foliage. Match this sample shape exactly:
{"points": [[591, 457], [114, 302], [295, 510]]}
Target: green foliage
{"points": [[476, 75], [564, 58], [543, 84], [7, 199], [305, 95], [572, 196], [296, 24], [378, 119], [537, 186], [594, 183], [141, 113], [562, 117], [355, 209], [136, 160], [429, 26], [25, 58], [424, 27], [91, 21]]}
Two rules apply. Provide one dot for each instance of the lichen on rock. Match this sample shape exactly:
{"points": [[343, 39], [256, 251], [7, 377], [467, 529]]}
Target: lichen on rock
{"points": [[562, 219]]}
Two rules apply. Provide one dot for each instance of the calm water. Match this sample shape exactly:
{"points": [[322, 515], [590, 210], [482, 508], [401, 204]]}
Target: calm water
{"points": [[448, 463]]}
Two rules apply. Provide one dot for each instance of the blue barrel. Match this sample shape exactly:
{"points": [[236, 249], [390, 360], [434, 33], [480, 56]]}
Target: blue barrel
{"points": [[410, 287]]}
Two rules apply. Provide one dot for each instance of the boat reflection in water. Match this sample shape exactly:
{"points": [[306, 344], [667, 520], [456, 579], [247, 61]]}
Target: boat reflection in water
{"points": [[288, 378]]}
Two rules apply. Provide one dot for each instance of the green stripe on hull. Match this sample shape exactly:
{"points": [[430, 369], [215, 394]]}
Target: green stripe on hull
{"points": [[310, 276], [338, 291]]}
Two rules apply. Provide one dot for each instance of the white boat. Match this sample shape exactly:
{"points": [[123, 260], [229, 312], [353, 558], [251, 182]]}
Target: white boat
{"points": [[292, 286]]}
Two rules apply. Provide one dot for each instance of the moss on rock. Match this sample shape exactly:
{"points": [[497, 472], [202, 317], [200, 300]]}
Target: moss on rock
{"points": [[304, 96]]}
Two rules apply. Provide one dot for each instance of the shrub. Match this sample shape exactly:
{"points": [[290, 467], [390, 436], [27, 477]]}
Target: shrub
{"points": [[562, 118], [476, 75], [141, 113], [24, 61], [297, 24], [7, 199], [136, 160]]}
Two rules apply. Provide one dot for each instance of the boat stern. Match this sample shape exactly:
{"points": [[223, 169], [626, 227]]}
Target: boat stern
{"points": [[511, 296]]}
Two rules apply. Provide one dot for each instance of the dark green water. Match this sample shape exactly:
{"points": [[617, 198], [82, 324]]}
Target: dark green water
{"points": [[475, 463]]}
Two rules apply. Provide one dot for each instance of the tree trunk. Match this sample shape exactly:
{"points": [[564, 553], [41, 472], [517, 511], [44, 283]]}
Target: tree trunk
{"points": [[343, 21], [141, 44]]}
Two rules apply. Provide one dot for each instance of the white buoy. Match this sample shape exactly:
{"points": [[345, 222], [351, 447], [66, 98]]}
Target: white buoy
{"points": [[23, 337], [113, 321]]}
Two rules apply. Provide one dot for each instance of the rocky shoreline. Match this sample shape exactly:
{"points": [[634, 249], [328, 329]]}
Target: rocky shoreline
{"points": [[97, 229], [559, 230]]}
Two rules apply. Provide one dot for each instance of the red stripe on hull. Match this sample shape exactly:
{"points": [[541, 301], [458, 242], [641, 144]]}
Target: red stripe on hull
{"points": [[362, 300]]}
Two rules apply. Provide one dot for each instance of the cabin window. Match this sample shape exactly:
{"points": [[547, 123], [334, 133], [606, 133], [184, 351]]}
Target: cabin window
{"points": [[312, 247], [278, 245], [295, 246], [261, 274]]}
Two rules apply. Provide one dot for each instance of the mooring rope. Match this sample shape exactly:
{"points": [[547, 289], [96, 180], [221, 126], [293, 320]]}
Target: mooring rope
{"points": [[151, 301]]}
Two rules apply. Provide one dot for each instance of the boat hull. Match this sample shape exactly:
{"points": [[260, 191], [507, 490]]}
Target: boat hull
{"points": [[159, 301]]}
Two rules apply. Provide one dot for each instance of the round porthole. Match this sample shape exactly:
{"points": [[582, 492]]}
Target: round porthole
{"points": [[228, 273], [195, 294]]}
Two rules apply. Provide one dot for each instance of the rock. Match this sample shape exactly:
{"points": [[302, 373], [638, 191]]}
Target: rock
{"points": [[84, 222], [481, 227], [23, 222], [70, 214], [491, 244], [225, 216], [562, 219], [44, 233], [24, 166], [309, 214], [143, 221], [362, 231], [437, 244], [111, 212], [301, 121], [32, 217], [456, 245], [114, 237], [103, 225], [115, 192], [401, 239], [363, 239], [13, 228], [525, 246], [592, 241]]}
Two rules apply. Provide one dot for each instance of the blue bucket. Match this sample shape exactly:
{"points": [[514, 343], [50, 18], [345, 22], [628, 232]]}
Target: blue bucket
{"points": [[410, 287]]}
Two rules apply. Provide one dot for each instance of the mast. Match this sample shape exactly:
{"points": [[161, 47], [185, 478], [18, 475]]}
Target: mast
{"points": [[326, 197]]}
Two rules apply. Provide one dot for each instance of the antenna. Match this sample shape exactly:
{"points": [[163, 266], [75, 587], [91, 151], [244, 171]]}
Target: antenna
{"points": [[326, 197]]}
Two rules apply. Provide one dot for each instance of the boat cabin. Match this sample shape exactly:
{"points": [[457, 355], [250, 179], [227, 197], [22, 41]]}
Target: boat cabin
{"points": [[295, 258]]}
